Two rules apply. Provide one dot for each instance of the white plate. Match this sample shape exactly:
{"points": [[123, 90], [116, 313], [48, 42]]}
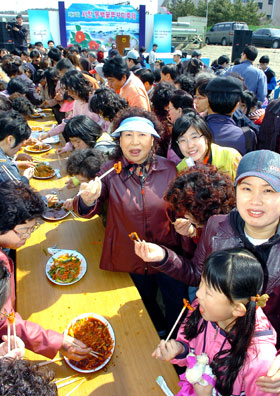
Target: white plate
{"points": [[28, 150], [52, 140], [112, 334], [45, 177], [45, 217], [60, 253]]}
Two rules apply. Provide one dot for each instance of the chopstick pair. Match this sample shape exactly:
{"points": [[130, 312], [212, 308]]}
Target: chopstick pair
{"points": [[186, 305], [95, 354], [10, 321], [10, 175]]}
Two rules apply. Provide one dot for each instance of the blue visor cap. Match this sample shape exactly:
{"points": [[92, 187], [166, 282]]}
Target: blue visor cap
{"points": [[138, 124]]}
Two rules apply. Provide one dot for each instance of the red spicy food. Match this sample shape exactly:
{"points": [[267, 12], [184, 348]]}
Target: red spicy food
{"points": [[65, 268], [95, 335]]}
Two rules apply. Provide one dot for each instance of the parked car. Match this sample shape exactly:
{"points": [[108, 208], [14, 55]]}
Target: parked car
{"points": [[223, 32], [266, 38]]}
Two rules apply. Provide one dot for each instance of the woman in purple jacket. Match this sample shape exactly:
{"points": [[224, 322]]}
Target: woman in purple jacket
{"points": [[136, 204]]}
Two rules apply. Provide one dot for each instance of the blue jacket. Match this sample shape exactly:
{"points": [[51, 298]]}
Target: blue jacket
{"points": [[254, 78], [11, 166], [226, 133]]}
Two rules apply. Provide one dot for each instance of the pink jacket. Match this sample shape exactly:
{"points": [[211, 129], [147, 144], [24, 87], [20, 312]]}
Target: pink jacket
{"points": [[80, 108], [37, 339], [260, 354]]}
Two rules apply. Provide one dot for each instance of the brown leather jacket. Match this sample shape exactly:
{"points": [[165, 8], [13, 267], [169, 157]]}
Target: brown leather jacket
{"points": [[133, 208]]}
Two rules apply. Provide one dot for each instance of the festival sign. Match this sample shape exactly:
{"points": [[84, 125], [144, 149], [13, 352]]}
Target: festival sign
{"points": [[91, 25]]}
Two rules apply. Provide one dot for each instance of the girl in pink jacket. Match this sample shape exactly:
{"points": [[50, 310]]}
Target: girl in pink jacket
{"points": [[228, 325]]}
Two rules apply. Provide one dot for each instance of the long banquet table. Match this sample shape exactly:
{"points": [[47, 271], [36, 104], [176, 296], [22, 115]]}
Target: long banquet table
{"points": [[132, 371]]}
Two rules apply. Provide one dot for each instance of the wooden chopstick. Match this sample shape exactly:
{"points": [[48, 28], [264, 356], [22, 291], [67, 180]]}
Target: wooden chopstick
{"points": [[66, 378], [73, 390], [68, 383], [95, 354], [50, 362], [10, 175]]}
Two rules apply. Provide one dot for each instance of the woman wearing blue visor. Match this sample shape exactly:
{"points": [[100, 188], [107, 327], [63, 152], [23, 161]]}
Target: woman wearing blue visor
{"points": [[135, 204]]}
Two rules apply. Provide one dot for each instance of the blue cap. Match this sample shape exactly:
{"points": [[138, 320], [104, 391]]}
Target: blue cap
{"points": [[264, 164], [138, 124]]}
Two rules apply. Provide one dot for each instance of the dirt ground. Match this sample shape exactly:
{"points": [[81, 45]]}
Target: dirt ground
{"points": [[214, 51]]}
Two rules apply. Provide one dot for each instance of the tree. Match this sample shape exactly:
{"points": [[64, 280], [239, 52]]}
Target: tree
{"points": [[219, 11], [201, 8], [181, 8], [251, 13]]}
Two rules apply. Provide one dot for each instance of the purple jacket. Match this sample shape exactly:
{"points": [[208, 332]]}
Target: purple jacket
{"points": [[218, 234], [135, 208]]}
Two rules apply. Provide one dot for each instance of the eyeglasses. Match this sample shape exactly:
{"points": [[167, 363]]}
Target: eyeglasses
{"points": [[192, 139], [25, 232]]}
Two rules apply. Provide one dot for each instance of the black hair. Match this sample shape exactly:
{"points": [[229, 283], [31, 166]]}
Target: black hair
{"points": [[5, 103], [194, 66], [161, 96], [31, 46], [19, 203], [251, 52], [22, 377], [223, 102], [157, 75], [11, 68], [64, 63], [86, 162], [34, 54], [75, 81], [183, 123], [50, 41], [51, 77], [116, 67], [92, 54], [237, 61], [107, 103], [23, 106], [147, 75], [171, 69], [39, 75], [238, 275], [83, 127], [39, 43], [14, 124], [222, 59], [60, 47], [17, 85], [201, 82], [54, 54], [142, 49], [250, 99], [75, 48], [4, 284], [264, 59], [85, 64], [181, 99], [186, 83]]}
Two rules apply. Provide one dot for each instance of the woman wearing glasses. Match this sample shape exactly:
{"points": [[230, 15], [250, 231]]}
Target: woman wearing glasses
{"points": [[192, 142]]}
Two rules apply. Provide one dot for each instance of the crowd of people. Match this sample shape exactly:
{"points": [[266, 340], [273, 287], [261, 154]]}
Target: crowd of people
{"points": [[199, 184]]}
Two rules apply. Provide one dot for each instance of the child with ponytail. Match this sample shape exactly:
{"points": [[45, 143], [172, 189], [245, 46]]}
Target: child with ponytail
{"points": [[228, 325]]}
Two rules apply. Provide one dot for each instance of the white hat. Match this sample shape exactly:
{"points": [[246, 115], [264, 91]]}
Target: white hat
{"points": [[177, 52], [138, 124]]}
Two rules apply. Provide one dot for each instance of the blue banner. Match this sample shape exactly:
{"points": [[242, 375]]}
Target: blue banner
{"points": [[39, 26], [93, 25], [162, 32]]}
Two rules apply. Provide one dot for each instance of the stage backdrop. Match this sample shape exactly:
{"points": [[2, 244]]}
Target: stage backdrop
{"points": [[94, 25], [44, 26]]}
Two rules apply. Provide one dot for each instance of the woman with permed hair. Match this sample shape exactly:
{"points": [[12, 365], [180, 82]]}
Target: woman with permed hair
{"points": [[136, 204], [80, 90], [197, 194]]}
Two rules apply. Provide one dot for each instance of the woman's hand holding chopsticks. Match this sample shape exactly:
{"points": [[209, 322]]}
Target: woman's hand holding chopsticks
{"points": [[74, 349], [149, 252], [91, 191], [15, 352]]}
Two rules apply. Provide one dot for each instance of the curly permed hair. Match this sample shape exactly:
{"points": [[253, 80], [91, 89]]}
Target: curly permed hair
{"points": [[202, 191], [22, 378]]}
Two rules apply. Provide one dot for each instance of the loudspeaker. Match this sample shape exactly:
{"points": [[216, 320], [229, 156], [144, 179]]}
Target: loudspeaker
{"points": [[241, 39], [6, 40]]}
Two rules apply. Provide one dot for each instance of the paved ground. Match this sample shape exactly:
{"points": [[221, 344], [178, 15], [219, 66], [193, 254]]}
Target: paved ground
{"points": [[214, 51]]}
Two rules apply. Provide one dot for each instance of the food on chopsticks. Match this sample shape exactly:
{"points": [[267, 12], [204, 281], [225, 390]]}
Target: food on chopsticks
{"points": [[65, 268], [44, 171], [134, 237], [36, 129], [94, 334]]}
